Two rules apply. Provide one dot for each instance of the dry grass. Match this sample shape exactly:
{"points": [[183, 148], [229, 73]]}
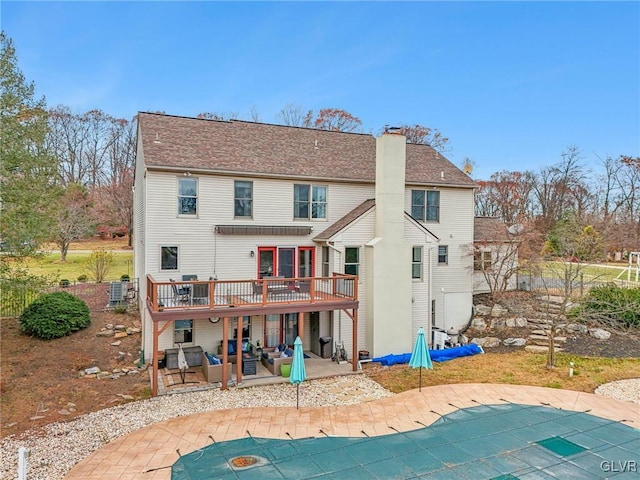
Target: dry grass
{"points": [[93, 244], [517, 368]]}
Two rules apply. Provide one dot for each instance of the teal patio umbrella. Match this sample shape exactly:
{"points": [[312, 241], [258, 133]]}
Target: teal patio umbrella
{"points": [[420, 355], [298, 373]]}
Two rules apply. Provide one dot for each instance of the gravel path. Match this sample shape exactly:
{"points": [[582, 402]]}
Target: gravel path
{"points": [[57, 447], [627, 390]]}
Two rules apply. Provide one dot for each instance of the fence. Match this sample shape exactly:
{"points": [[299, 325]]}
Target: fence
{"points": [[554, 283], [15, 298]]}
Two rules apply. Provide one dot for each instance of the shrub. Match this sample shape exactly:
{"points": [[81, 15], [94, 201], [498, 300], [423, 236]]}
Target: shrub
{"points": [[125, 278], [613, 305], [82, 278], [99, 263], [55, 315], [121, 308], [64, 283]]}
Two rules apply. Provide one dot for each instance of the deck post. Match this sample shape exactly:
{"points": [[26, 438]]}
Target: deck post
{"points": [[354, 322], [154, 360], [239, 350], [225, 352], [301, 324]]}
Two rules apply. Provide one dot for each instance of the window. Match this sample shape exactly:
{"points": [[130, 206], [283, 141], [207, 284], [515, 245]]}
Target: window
{"points": [[309, 201], [425, 205], [433, 313], [325, 261], [187, 196], [305, 261], [351, 260], [443, 254], [482, 260], [416, 263], [183, 331], [168, 258], [243, 199]]}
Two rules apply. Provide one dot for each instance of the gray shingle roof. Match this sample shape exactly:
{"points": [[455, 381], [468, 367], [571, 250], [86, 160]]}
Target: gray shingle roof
{"points": [[248, 148], [490, 230]]}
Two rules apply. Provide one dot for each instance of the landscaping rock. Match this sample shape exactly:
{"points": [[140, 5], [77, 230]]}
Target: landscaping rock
{"points": [[498, 311], [516, 322], [119, 327], [120, 335], [479, 323], [115, 344], [514, 342], [132, 330], [487, 342], [483, 310], [599, 333], [577, 327], [498, 323], [105, 333], [91, 370]]}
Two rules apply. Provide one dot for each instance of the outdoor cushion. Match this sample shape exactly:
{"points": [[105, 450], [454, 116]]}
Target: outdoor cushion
{"points": [[289, 352], [232, 348]]}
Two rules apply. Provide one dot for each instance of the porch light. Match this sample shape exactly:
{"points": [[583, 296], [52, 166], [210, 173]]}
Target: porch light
{"points": [[252, 253]]}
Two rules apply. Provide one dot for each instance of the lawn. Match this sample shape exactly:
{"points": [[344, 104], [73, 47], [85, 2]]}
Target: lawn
{"points": [[517, 368], [76, 265]]}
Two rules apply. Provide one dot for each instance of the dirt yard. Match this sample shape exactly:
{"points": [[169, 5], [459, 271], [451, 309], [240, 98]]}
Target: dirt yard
{"points": [[40, 380]]}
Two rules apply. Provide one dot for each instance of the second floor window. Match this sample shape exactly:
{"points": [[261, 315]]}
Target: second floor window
{"points": [[187, 196], [443, 254], [351, 260], [309, 201], [425, 205], [243, 199], [416, 263]]}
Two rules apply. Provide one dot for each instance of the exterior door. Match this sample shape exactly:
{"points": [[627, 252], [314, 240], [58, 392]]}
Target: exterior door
{"points": [[286, 262], [290, 327], [266, 261], [272, 330]]}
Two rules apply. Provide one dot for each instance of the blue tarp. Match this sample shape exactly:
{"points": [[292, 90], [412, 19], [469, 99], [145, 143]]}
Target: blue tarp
{"points": [[436, 355]]}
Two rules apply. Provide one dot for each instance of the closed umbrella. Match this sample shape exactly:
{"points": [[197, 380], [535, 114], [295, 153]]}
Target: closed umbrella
{"points": [[182, 362], [298, 372], [420, 355]]}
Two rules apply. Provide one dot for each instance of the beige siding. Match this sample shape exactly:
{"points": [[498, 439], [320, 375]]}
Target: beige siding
{"points": [[455, 230]]}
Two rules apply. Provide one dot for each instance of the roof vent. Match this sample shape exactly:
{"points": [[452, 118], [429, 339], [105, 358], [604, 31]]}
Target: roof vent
{"points": [[157, 140]]}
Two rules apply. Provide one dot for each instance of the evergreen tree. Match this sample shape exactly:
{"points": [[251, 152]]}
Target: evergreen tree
{"points": [[27, 173]]}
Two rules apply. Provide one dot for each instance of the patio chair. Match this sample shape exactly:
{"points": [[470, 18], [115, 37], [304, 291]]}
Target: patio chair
{"points": [[180, 294]]}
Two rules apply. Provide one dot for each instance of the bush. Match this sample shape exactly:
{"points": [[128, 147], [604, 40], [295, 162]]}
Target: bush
{"points": [[64, 283], [82, 278], [55, 315], [125, 278], [618, 307]]}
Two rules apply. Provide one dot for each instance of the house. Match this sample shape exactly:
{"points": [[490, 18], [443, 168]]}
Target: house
{"points": [[270, 231], [495, 261]]}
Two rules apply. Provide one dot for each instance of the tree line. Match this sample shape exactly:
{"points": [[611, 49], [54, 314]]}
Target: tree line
{"points": [[567, 194], [65, 175]]}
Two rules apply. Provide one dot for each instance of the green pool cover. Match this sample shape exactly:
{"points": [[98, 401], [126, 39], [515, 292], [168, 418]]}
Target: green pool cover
{"points": [[505, 441]]}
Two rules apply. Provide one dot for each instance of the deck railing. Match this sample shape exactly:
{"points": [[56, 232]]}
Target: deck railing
{"points": [[211, 294]]}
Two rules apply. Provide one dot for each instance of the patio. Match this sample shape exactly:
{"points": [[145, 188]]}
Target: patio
{"points": [[170, 382]]}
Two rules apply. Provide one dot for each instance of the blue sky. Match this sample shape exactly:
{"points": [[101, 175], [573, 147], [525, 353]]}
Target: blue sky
{"points": [[512, 84]]}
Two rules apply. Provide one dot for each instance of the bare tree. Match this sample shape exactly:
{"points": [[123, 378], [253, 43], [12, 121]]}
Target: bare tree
{"points": [[218, 115], [73, 218], [496, 254], [561, 280], [506, 195], [295, 116], [422, 135]]}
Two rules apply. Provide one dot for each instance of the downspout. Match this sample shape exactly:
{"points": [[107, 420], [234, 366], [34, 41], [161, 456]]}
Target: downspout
{"points": [[339, 311], [430, 294]]}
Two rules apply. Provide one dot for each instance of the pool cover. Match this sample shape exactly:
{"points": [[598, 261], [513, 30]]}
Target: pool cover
{"points": [[505, 441]]}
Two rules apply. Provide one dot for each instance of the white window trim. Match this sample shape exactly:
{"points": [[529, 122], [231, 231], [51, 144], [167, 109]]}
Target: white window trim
{"points": [[193, 334], [439, 263], [197, 197], [421, 263], [311, 202], [177, 269], [236, 198]]}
